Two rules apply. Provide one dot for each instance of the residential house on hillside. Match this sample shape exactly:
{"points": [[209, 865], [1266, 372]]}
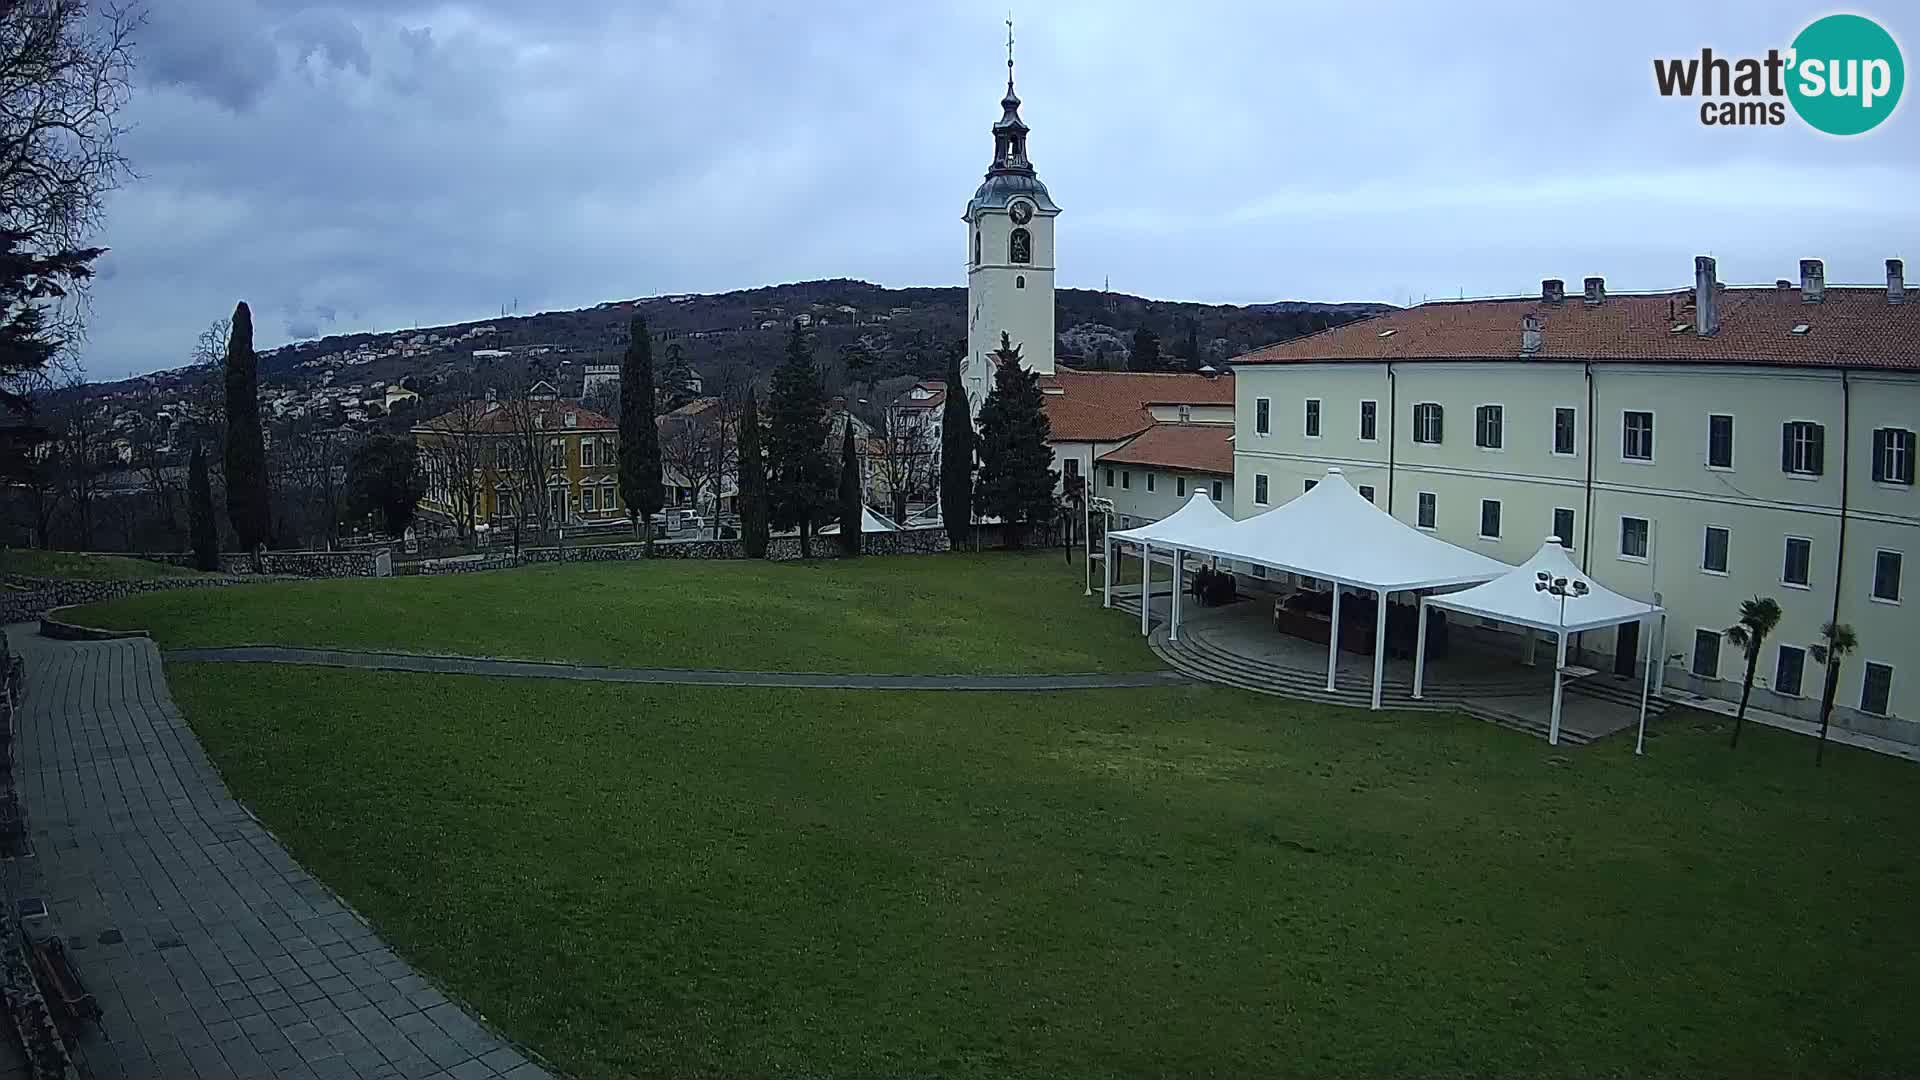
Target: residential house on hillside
{"points": [[485, 459]]}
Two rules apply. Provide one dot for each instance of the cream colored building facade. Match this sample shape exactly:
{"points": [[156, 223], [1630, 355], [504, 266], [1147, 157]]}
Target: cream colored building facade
{"points": [[1694, 478]]}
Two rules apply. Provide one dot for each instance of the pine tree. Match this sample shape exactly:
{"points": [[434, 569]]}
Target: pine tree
{"points": [[200, 521], [640, 485], [752, 499], [1146, 351], [246, 451], [1016, 482], [851, 505], [956, 459], [1190, 349], [800, 489], [385, 479]]}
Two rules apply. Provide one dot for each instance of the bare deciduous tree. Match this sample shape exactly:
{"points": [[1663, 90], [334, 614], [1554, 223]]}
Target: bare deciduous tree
{"points": [[904, 452], [697, 449]]}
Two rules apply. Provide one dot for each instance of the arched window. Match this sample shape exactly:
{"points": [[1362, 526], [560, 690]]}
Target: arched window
{"points": [[976, 247], [1020, 281], [1020, 246]]}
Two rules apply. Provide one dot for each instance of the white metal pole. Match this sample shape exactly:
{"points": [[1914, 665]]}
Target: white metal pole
{"points": [[1173, 624], [1646, 687], [1086, 513], [1379, 644], [1559, 665], [1106, 570], [1420, 651], [1333, 637], [1146, 585]]}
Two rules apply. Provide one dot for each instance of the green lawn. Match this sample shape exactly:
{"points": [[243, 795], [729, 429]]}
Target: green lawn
{"points": [[84, 565], [1189, 881], [959, 613]]}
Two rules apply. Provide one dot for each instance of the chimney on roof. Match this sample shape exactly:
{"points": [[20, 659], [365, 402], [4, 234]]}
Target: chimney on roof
{"points": [[1813, 281], [1896, 282], [1531, 334], [1782, 283], [1553, 290], [1706, 304], [1596, 290], [492, 398]]}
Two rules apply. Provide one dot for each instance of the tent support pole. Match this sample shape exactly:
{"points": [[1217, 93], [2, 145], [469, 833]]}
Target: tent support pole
{"points": [[1106, 571], [1333, 637], [1646, 686], [1379, 644], [1420, 652], [1173, 625], [1559, 666], [1146, 586]]}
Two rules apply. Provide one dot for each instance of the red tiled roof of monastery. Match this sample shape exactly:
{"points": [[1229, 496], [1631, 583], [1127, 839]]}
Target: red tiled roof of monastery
{"points": [[1100, 406], [1850, 327], [1204, 448]]}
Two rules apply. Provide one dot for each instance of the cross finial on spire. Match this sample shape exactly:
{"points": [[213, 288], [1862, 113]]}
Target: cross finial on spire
{"points": [[1009, 48]]}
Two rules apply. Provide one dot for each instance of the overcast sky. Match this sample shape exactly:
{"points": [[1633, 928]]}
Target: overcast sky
{"points": [[373, 164]]}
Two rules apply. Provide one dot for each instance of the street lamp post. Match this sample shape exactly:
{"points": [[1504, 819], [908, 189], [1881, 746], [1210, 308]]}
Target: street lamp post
{"points": [[1562, 588], [1104, 507]]}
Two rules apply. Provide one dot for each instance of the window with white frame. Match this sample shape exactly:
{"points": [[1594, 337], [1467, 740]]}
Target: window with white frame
{"points": [[1876, 688], [587, 448], [1564, 426], [1126, 479], [606, 497], [1636, 435], [1489, 422], [1802, 448], [1719, 441], [1312, 422], [1369, 421], [1706, 654], [1262, 416], [1713, 553], [557, 454], [1109, 474], [1886, 576], [1429, 510], [1563, 526], [1180, 486], [1797, 569], [1218, 487], [1634, 532], [586, 500], [1260, 489], [1893, 456], [1150, 479], [1789, 668], [1489, 519], [1427, 427]]}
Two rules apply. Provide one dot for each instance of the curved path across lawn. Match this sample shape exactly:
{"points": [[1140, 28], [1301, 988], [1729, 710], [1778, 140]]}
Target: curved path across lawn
{"points": [[211, 951], [540, 669]]}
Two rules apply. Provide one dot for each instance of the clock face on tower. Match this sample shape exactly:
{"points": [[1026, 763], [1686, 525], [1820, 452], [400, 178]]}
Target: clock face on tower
{"points": [[1022, 213]]}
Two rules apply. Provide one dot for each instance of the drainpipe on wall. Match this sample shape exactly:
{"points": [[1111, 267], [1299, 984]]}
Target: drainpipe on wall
{"points": [[1393, 414], [1586, 545], [1846, 459]]}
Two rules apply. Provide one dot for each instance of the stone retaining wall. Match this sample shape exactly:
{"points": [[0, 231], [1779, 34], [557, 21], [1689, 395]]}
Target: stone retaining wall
{"points": [[309, 564], [779, 549], [28, 599]]}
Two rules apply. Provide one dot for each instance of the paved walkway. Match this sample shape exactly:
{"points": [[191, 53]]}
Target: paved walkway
{"points": [[212, 953], [536, 669]]}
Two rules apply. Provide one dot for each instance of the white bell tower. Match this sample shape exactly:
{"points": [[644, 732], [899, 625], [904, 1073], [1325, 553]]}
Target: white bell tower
{"points": [[1009, 255]]}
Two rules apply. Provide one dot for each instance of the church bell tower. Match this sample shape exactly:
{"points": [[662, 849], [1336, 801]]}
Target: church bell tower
{"points": [[1009, 255]]}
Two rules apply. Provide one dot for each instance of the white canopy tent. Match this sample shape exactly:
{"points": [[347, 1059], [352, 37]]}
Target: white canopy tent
{"points": [[1334, 533], [1198, 517], [1549, 593], [870, 522]]}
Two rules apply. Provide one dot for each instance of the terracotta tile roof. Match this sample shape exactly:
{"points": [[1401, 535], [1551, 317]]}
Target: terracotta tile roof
{"points": [[1102, 406], [1852, 327], [552, 416], [1204, 448]]}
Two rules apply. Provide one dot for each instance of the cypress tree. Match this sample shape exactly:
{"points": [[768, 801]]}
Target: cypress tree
{"points": [[1146, 351], [850, 502], [956, 459], [752, 499], [640, 486], [1016, 481], [246, 450], [800, 489], [200, 522]]}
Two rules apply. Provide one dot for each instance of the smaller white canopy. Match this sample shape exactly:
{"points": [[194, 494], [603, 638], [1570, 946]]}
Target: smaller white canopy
{"points": [[870, 522], [1196, 521], [1512, 598]]}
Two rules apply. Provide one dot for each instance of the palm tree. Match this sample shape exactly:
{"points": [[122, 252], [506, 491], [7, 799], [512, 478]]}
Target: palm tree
{"points": [[1758, 617], [1837, 640]]}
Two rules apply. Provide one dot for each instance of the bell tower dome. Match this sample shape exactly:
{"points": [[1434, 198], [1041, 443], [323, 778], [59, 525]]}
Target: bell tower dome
{"points": [[1009, 254]]}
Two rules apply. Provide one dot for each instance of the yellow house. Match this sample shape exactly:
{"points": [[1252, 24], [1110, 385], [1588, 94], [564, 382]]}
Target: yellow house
{"points": [[480, 455]]}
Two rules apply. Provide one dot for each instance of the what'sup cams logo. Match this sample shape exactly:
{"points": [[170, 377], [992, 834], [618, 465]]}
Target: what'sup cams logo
{"points": [[1843, 75]]}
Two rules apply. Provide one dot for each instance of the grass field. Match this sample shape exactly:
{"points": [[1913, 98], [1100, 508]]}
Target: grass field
{"points": [[959, 613], [1190, 881], [84, 565]]}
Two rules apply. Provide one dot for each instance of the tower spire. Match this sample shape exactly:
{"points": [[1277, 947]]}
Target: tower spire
{"points": [[1010, 133], [1009, 53]]}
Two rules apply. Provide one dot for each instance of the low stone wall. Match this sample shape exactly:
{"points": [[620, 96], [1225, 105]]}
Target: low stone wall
{"points": [[779, 549], [309, 564], [27, 599]]}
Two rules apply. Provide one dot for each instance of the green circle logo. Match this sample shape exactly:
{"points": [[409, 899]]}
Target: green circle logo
{"points": [[1846, 74]]}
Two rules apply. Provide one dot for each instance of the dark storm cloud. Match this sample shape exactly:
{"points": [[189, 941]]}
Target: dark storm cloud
{"points": [[366, 164]]}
